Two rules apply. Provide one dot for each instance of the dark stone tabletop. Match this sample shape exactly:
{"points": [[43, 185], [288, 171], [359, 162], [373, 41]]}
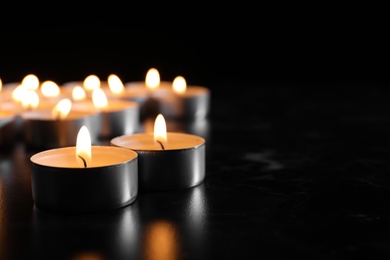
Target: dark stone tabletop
{"points": [[293, 171]]}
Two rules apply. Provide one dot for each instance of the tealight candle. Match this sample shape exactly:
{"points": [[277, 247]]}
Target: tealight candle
{"points": [[167, 160], [183, 101], [118, 117], [89, 84], [30, 82], [57, 127], [116, 89], [84, 178], [143, 91]]}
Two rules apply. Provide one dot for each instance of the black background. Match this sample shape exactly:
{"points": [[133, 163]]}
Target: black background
{"points": [[207, 44]]}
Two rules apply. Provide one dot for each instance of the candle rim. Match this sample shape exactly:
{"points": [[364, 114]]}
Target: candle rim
{"points": [[35, 157], [202, 143]]}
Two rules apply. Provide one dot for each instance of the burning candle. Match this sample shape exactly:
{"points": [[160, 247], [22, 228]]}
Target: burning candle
{"points": [[167, 160], [57, 127], [152, 81], [183, 101], [84, 178], [89, 84], [118, 117], [143, 91], [30, 81]]}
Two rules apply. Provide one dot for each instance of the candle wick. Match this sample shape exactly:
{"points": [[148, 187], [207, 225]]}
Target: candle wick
{"points": [[162, 146], [84, 162]]}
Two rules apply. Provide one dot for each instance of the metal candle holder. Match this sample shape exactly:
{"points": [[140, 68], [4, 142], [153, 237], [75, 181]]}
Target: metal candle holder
{"points": [[90, 189], [51, 133], [168, 169]]}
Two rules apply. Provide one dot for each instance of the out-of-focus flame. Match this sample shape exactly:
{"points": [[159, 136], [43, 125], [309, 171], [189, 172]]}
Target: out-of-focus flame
{"points": [[1, 85], [30, 99], [62, 109], [78, 93], [91, 82], [83, 147], [152, 79], [31, 82], [179, 85], [160, 129], [50, 89], [115, 84], [99, 98], [18, 93]]}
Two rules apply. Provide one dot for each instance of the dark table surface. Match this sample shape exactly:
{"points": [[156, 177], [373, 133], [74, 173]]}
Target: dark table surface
{"points": [[292, 171]]}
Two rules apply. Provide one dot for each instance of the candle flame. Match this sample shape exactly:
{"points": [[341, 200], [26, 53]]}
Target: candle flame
{"points": [[50, 89], [18, 93], [152, 79], [115, 84], [83, 147], [160, 129], [62, 109], [179, 85], [1, 85], [30, 99], [91, 82], [99, 98], [31, 82], [78, 93]]}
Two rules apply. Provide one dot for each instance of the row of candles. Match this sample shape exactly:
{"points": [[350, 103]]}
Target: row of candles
{"points": [[74, 174]]}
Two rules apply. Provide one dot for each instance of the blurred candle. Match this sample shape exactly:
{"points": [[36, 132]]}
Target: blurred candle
{"points": [[56, 127], [142, 91], [183, 101], [118, 117], [89, 84]]}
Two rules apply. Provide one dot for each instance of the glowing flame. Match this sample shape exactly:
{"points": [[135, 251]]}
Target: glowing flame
{"points": [[115, 84], [1, 85], [50, 89], [152, 79], [99, 98], [83, 147], [62, 109], [91, 82], [30, 99], [160, 129], [18, 93], [31, 82], [78, 93], [179, 85]]}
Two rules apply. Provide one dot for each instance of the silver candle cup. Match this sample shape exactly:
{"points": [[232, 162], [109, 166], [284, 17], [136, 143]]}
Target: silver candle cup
{"points": [[169, 169], [122, 121], [59, 185], [39, 130]]}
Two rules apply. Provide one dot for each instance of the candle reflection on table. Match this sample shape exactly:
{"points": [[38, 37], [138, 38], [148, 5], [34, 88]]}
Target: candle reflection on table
{"points": [[161, 241], [180, 223], [86, 235]]}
